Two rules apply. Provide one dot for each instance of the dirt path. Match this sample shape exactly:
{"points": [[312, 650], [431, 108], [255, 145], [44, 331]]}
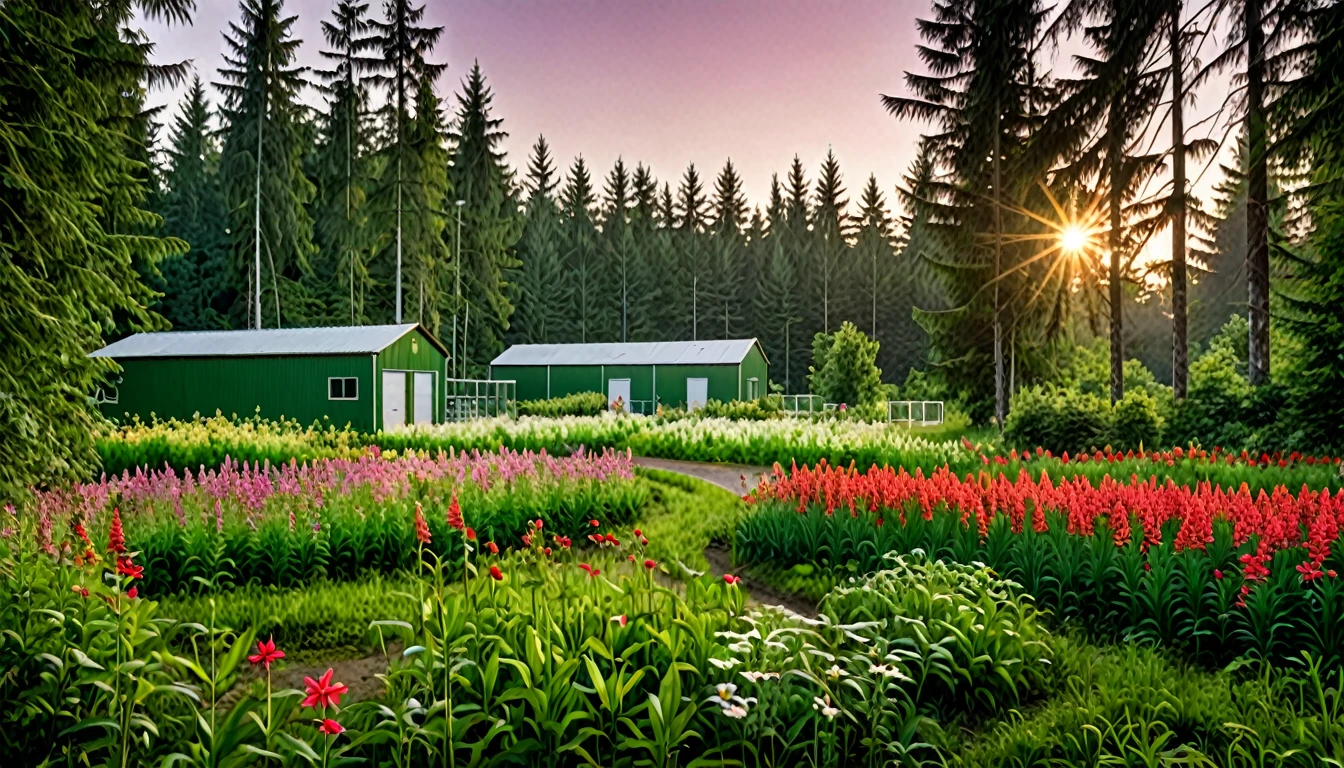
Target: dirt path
{"points": [[736, 478], [739, 479]]}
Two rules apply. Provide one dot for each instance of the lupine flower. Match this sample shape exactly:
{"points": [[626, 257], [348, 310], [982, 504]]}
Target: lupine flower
{"points": [[496, 574], [421, 527], [455, 515], [266, 653], [322, 692], [331, 727], [116, 539], [126, 568]]}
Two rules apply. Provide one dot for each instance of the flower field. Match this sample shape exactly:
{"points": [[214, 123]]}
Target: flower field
{"points": [[330, 518], [1216, 572]]}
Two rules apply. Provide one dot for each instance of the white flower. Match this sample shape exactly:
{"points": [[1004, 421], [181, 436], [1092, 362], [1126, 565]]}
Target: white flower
{"points": [[725, 691], [742, 647], [725, 663], [824, 706], [735, 711], [835, 672], [756, 677]]}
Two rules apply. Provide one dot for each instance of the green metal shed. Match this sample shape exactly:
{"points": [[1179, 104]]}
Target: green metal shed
{"points": [[643, 375], [370, 377]]}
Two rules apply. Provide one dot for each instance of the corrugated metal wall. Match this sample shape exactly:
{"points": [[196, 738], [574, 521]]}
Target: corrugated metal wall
{"points": [[412, 352]]}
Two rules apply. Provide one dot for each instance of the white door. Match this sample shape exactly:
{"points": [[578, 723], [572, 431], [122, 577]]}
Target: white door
{"points": [[697, 392], [424, 397], [618, 389], [394, 399]]}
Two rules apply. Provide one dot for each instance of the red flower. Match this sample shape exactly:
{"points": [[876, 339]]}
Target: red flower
{"points": [[1217, 574], [496, 574], [323, 693], [493, 547], [637, 533], [132, 593], [622, 620], [331, 727], [455, 514], [126, 568], [585, 567], [266, 653], [594, 523], [631, 558], [421, 527], [471, 534], [116, 540], [547, 551], [527, 539], [650, 564], [78, 590], [731, 580], [537, 524]]}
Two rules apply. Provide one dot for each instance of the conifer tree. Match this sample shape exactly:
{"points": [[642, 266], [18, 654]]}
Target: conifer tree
{"points": [[491, 226], [627, 284], [690, 218], [776, 303], [426, 162], [726, 252], [577, 202], [540, 296], [195, 283], [261, 165], [401, 68], [650, 243], [341, 228], [68, 73], [829, 243]]}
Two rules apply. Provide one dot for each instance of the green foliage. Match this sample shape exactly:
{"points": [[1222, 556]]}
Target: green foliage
{"points": [[577, 404], [73, 238], [207, 442], [1068, 420], [844, 369], [684, 516]]}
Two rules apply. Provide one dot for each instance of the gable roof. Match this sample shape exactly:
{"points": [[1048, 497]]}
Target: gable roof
{"points": [[715, 352], [267, 342]]}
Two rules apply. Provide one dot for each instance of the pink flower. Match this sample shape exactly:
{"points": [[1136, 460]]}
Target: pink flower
{"points": [[331, 727], [421, 527], [322, 692], [731, 580]]}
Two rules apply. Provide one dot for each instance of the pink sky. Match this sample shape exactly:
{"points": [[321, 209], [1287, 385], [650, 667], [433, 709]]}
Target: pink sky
{"points": [[664, 83]]}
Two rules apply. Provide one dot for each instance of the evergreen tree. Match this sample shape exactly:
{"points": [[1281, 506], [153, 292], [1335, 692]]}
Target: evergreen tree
{"points": [[577, 202], [426, 162], [196, 291], [776, 302], [627, 284], [691, 213], [340, 216], [540, 296], [491, 225], [401, 68], [69, 74], [829, 243], [261, 165], [726, 252], [646, 273], [873, 253]]}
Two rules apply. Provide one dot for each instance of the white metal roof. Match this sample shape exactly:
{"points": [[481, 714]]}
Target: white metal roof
{"points": [[717, 352], [350, 340]]}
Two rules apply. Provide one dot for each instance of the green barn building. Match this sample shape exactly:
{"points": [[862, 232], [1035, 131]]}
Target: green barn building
{"points": [[371, 377], [642, 375]]}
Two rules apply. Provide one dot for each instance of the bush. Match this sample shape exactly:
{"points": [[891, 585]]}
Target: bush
{"points": [[845, 369], [577, 404], [1135, 422], [1057, 419]]}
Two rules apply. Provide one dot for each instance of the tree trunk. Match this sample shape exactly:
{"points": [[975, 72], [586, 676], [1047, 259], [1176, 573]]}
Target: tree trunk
{"points": [[1257, 194], [1000, 393], [1115, 157], [1179, 351]]}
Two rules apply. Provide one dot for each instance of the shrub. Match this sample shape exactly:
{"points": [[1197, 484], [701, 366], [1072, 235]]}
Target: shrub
{"points": [[1135, 422], [577, 404], [844, 369], [1057, 419]]}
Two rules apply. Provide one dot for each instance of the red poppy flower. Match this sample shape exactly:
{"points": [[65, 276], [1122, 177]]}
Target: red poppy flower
{"points": [[493, 547], [496, 574], [116, 539], [331, 727], [650, 564], [266, 653], [322, 692]]}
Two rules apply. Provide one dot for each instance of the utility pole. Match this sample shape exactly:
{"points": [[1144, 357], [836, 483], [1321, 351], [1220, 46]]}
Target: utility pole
{"points": [[256, 203], [1000, 394]]}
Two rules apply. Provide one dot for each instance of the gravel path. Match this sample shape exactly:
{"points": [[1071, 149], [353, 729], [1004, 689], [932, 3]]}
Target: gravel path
{"points": [[737, 478]]}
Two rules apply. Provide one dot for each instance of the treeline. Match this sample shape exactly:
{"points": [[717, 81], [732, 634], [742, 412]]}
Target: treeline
{"points": [[345, 194]]}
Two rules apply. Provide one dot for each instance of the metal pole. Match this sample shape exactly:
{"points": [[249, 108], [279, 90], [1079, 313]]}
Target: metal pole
{"points": [[457, 288]]}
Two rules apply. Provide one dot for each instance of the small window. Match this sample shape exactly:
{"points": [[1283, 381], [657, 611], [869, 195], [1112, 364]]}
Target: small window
{"points": [[343, 388], [753, 388]]}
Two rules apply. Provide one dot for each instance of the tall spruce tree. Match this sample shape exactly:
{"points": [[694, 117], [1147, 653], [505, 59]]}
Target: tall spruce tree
{"points": [[691, 215], [491, 226], [540, 296], [829, 241], [776, 303], [196, 293], [873, 254], [646, 274], [340, 215], [401, 68], [727, 249], [69, 73], [627, 282], [577, 204], [261, 165]]}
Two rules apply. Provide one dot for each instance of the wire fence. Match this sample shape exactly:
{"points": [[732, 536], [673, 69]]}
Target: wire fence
{"points": [[467, 399]]}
